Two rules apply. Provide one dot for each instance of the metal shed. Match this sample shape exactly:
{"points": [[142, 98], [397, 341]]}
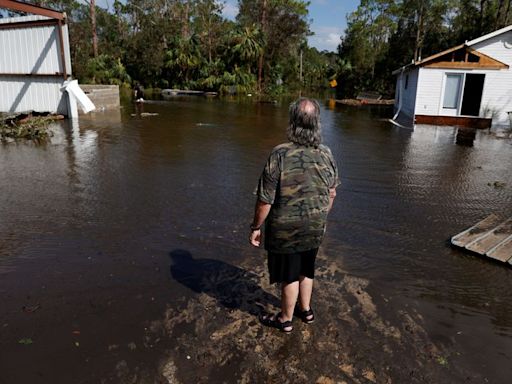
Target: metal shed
{"points": [[35, 60]]}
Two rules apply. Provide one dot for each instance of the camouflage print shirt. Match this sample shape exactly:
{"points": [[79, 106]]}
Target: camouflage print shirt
{"points": [[296, 182]]}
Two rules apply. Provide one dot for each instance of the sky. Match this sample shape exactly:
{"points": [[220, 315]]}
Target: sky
{"points": [[329, 22], [328, 19]]}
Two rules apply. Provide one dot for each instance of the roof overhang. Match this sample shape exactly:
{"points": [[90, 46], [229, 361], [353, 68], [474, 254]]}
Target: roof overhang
{"points": [[20, 6], [489, 35], [405, 68]]}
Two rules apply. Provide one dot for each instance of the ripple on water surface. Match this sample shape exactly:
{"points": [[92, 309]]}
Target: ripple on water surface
{"points": [[119, 188]]}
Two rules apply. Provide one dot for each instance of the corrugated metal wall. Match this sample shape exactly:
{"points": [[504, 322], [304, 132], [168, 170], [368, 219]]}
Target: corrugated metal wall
{"points": [[42, 94], [32, 50]]}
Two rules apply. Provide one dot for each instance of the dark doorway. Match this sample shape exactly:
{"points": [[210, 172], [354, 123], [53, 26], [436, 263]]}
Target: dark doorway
{"points": [[472, 94]]}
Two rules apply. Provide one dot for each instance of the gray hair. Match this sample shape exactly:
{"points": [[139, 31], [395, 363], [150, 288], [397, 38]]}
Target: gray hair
{"points": [[304, 125]]}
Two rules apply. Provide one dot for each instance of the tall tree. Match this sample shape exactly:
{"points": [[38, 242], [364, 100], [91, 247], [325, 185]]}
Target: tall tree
{"points": [[209, 26], [93, 28], [247, 46], [283, 25]]}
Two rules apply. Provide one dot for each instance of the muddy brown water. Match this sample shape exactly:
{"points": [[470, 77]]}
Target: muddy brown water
{"points": [[124, 254]]}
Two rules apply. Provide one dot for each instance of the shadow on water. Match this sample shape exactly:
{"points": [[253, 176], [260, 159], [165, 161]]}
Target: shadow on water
{"points": [[232, 287], [465, 136]]}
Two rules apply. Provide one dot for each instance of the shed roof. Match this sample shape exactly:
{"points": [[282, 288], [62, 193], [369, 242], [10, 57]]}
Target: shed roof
{"points": [[22, 19], [472, 58], [21, 6], [489, 35], [461, 57]]}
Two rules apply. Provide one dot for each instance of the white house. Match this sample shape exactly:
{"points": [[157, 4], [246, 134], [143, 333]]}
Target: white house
{"points": [[470, 84]]}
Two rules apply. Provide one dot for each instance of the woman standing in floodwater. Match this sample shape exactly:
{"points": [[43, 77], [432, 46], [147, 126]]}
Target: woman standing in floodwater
{"points": [[295, 193]]}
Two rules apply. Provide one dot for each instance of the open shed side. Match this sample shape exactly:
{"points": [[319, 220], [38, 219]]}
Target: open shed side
{"points": [[35, 62]]}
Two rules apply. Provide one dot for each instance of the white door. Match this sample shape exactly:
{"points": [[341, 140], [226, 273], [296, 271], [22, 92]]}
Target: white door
{"points": [[450, 103]]}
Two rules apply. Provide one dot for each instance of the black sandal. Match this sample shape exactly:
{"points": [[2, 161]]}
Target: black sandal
{"points": [[273, 321], [306, 316]]}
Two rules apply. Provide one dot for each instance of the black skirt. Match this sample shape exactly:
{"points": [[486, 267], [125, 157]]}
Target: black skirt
{"points": [[288, 267]]}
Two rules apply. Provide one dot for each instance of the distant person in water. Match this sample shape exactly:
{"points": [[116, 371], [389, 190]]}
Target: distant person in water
{"points": [[295, 193], [138, 93]]}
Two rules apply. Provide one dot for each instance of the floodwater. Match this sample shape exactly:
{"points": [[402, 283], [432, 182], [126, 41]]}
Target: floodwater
{"points": [[124, 253]]}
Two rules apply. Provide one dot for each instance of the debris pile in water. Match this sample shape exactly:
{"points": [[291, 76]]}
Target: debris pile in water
{"points": [[31, 126]]}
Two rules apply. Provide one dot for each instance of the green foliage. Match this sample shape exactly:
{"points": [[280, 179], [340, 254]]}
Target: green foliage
{"points": [[247, 45], [183, 60], [210, 76], [283, 26], [209, 26], [237, 81], [106, 69], [189, 44], [319, 68]]}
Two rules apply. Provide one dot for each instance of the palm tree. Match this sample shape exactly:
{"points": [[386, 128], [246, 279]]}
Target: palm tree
{"points": [[183, 58], [248, 45]]}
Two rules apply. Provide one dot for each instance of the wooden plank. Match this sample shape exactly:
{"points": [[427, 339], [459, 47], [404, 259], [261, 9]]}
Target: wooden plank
{"points": [[465, 121], [476, 231], [464, 65], [484, 244], [503, 251], [430, 58]]}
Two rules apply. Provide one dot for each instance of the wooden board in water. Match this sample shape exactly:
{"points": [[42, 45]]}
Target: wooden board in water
{"points": [[476, 231], [486, 243], [502, 252]]}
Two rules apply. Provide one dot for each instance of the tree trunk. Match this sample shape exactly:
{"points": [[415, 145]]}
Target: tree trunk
{"points": [[507, 12], [93, 27], [498, 24], [481, 21], [209, 39], [260, 61], [419, 35], [184, 28]]}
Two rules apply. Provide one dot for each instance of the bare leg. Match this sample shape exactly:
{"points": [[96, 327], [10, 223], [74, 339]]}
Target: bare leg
{"points": [[305, 291], [289, 294]]}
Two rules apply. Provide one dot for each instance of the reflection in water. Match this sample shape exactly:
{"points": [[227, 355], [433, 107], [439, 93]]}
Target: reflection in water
{"points": [[466, 136], [449, 188], [117, 187]]}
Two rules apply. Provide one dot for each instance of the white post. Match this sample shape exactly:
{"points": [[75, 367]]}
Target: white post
{"points": [[72, 106]]}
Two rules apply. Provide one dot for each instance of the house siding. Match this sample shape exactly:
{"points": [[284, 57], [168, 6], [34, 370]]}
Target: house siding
{"points": [[430, 86], [497, 95], [495, 47], [409, 94]]}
